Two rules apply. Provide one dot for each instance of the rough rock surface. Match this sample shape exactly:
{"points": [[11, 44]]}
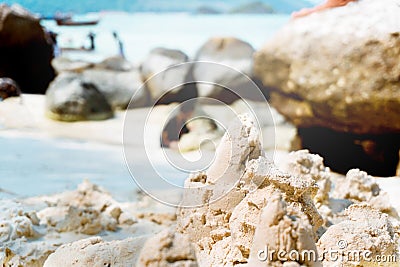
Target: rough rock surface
{"points": [[167, 249], [236, 54], [25, 50], [358, 187], [343, 76], [302, 163], [366, 229], [19, 226], [291, 229], [166, 61], [222, 230], [88, 210], [71, 99], [94, 252]]}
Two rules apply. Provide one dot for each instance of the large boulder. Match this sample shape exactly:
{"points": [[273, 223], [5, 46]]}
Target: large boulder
{"points": [[338, 69], [335, 75], [164, 74], [69, 98], [236, 56], [114, 77], [25, 50]]}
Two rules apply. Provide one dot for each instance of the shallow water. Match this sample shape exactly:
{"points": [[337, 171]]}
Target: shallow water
{"points": [[37, 166]]}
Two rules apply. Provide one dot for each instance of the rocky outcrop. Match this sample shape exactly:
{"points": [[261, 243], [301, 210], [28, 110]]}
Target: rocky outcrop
{"points": [[25, 50], [71, 99], [252, 205], [340, 82], [342, 75]]}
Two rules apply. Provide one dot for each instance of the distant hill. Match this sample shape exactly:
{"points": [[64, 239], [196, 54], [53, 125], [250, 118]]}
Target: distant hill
{"points": [[253, 8], [49, 7], [207, 10]]}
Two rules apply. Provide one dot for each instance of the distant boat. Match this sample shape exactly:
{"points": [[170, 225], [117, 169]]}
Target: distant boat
{"points": [[57, 16], [70, 22], [82, 49]]}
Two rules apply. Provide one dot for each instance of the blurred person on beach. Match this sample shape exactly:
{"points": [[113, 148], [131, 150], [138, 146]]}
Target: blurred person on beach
{"points": [[328, 4], [177, 126], [92, 37], [120, 44]]}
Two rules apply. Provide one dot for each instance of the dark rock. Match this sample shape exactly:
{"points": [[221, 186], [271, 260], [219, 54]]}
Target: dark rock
{"points": [[8, 88], [69, 98], [25, 50]]}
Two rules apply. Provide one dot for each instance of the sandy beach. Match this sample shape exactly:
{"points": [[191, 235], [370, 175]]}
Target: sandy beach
{"points": [[219, 135], [100, 154]]}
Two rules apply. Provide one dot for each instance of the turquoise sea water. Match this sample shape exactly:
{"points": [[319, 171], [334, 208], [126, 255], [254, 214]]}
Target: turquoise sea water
{"points": [[141, 32]]}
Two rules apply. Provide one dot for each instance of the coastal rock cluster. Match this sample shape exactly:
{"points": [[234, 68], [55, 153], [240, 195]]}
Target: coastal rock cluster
{"points": [[340, 82], [162, 78], [207, 78]]}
